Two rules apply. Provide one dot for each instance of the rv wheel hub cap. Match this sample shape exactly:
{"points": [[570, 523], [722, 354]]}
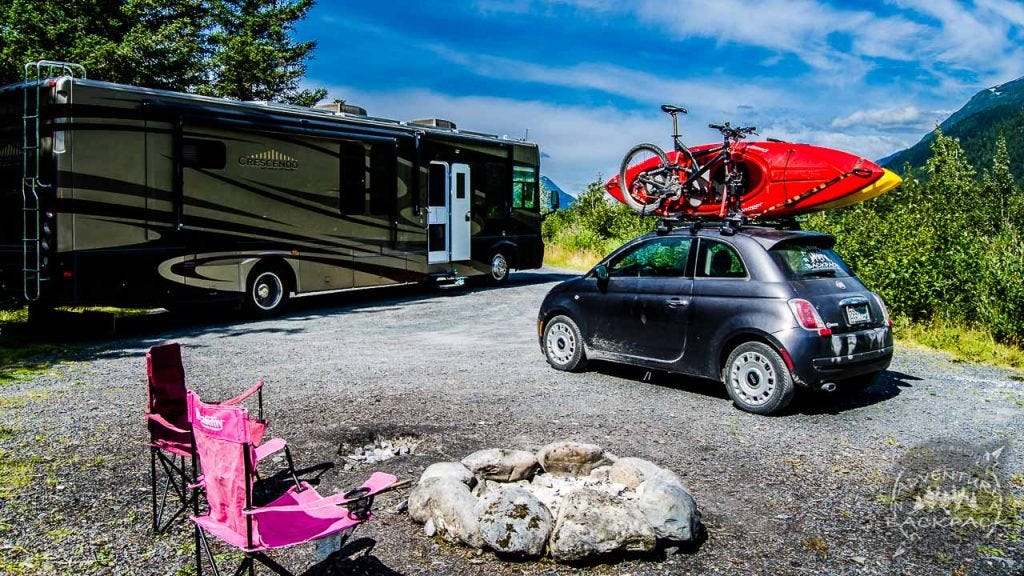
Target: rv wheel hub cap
{"points": [[499, 267]]}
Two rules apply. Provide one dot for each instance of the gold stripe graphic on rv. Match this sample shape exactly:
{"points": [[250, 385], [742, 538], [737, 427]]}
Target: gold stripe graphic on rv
{"points": [[10, 155], [269, 160]]}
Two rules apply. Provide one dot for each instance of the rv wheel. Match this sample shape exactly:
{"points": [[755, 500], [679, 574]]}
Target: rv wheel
{"points": [[267, 292], [499, 268]]}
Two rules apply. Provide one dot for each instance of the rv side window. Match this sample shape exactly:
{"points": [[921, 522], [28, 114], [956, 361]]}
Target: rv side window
{"points": [[368, 179], [524, 187], [437, 190], [208, 154], [490, 196], [383, 158]]}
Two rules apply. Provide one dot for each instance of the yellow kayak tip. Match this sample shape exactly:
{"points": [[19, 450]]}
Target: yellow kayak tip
{"points": [[888, 181]]}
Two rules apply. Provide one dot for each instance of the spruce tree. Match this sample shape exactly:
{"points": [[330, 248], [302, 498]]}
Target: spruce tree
{"points": [[152, 43], [254, 56]]}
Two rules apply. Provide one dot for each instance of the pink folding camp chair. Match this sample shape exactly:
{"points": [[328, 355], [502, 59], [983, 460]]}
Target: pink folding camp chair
{"points": [[170, 435], [227, 458]]}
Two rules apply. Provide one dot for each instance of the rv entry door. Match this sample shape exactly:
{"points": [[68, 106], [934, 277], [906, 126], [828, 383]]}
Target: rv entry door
{"points": [[460, 211], [437, 213]]}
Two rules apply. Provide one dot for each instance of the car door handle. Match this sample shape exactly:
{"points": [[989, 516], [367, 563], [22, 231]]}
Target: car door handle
{"points": [[677, 302]]}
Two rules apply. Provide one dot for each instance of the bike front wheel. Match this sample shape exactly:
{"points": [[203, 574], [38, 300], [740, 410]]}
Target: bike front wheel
{"points": [[646, 177]]}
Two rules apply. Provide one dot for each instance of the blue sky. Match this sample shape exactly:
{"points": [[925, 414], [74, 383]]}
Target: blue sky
{"points": [[584, 78]]}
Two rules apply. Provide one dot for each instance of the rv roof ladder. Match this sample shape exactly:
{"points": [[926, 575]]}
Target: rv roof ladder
{"points": [[36, 74]]}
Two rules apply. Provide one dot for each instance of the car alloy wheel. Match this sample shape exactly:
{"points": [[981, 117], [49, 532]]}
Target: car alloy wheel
{"points": [[563, 345], [757, 379], [753, 378]]}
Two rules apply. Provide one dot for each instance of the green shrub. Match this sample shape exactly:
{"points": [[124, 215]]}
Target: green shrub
{"points": [[1001, 285], [595, 223], [944, 247]]}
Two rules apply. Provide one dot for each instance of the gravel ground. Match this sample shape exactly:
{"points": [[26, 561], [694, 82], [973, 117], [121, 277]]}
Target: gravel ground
{"points": [[808, 492]]}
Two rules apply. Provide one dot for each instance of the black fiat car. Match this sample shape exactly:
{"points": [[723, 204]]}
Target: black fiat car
{"points": [[763, 310]]}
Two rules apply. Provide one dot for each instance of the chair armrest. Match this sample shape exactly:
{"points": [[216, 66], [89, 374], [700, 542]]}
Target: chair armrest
{"points": [[163, 422], [377, 482], [269, 447], [255, 388]]}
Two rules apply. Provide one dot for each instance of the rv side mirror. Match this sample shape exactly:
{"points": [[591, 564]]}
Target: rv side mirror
{"points": [[553, 201], [601, 273]]}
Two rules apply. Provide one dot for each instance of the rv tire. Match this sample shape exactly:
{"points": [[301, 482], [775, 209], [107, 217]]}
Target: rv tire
{"points": [[499, 268], [266, 291]]}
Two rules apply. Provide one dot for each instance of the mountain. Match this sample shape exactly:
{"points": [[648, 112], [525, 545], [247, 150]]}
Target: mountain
{"points": [[991, 112], [564, 199]]}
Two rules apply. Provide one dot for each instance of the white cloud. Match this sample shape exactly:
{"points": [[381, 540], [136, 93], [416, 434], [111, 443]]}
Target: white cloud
{"points": [[872, 146], [898, 118], [982, 37], [719, 95]]}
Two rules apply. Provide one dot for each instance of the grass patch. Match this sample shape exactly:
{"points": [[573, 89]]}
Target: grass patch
{"points": [[17, 316], [21, 400], [15, 474], [964, 343], [561, 257], [19, 361]]}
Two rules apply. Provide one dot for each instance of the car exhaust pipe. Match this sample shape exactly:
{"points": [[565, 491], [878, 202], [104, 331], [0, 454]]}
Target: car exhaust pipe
{"points": [[828, 387]]}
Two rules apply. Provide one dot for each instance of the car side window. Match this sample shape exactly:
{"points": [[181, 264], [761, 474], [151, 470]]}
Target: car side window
{"points": [[719, 260], [661, 257]]}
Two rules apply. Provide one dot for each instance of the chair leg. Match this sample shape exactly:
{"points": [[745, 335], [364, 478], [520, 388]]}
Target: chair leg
{"points": [[177, 479], [201, 540], [199, 552], [152, 486], [269, 563]]}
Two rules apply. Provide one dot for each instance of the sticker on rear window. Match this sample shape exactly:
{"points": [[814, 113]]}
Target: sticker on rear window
{"points": [[818, 261]]}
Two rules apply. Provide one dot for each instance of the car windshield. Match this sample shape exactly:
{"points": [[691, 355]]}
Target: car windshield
{"points": [[804, 261]]}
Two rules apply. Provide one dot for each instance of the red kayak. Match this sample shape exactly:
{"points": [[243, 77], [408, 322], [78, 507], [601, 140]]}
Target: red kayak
{"points": [[780, 179]]}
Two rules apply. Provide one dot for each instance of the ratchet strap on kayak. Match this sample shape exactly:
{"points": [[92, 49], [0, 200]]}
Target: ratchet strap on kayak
{"points": [[857, 171]]}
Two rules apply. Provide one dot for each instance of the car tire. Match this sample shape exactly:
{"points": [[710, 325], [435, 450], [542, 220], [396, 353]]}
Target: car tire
{"points": [[563, 345], [757, 379], [499, 269], [267, 291]]}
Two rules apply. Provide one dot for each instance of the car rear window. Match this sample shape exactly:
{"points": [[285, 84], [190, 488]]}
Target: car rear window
{"points": [[804, 261]]}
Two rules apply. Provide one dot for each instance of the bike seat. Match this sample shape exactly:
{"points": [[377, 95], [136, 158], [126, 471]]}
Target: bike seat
{"points": [[670, 109]]}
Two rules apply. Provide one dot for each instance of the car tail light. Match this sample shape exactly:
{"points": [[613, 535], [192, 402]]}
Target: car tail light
{"points": [[885, 311], [808, 317]]}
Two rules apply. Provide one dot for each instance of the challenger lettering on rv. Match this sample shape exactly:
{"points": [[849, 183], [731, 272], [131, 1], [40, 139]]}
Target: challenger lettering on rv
{"points": [[269, 160]]}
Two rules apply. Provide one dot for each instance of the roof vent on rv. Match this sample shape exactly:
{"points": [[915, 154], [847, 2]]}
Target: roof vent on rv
{"points": [[342, 108], [434, 122]]}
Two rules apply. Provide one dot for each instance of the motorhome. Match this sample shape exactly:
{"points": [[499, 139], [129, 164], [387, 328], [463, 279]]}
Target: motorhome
{"points": [[120, 195]]}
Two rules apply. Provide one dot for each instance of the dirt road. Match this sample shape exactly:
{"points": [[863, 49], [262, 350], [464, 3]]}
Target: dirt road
{"points": [[826, 488]]}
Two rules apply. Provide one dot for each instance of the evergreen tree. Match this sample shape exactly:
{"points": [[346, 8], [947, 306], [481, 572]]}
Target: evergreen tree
{"points": [[254, 56], [235, 48], [154, 43], [1001, 189]]}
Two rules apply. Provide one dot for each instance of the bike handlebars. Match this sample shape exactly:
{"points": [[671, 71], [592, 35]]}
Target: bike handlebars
{"points": [[733, 133]]}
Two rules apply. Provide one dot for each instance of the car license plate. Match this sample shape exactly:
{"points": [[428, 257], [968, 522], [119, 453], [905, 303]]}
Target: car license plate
{"points": [[858, 314]]}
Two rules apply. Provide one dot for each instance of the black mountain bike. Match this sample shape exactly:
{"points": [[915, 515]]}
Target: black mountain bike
{"points": [[650, 185]]}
